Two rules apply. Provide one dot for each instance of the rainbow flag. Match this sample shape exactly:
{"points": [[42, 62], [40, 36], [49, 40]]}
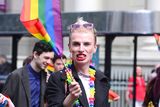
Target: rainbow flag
{"points": [[42, 18], [157, 37], [50, 67]]}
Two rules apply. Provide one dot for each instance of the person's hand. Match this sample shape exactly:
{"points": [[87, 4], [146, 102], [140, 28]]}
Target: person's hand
{"points": [[3, 99], [75, 90]]}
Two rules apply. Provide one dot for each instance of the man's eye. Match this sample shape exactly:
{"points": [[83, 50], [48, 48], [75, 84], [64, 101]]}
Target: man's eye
{"points": [[75, 44], [87, 44], [46, 57]]}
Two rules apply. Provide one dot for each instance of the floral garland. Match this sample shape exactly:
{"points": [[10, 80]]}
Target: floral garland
{"points": [[70, 79]]}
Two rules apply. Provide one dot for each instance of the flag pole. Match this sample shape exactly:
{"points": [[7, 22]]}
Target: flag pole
{"points": [[67, 70]]}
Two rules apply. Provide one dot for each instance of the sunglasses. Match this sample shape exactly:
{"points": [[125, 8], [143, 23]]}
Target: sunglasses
{"points": [[89, 26]]}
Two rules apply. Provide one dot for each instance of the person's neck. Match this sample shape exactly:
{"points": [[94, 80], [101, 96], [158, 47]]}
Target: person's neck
{"points": [[83, 68], [34, 66]]}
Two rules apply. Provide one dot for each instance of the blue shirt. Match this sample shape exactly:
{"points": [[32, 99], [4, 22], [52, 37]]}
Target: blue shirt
{"points": [[34, 81]]}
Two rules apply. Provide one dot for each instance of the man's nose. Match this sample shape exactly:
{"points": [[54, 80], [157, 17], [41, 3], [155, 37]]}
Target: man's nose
{"points": [[81, 48]]}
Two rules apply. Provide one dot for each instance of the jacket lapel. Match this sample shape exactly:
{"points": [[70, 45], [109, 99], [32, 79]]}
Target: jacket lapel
{"points": [[25, 82], [83, 98], [102, 88], [43, 87]]}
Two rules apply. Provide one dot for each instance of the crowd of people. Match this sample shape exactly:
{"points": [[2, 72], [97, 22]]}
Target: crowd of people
{"points": [[77, 84], [86, 88]]}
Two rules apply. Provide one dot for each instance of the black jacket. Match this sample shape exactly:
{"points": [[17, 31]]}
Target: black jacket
{"points": [[149, 97], [17, 88], [56, 89]]}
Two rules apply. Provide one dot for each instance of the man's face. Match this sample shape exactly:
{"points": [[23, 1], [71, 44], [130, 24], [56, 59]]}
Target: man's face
{"points": [[82, 46], [58, 65], [43, 59], [139, 71]]}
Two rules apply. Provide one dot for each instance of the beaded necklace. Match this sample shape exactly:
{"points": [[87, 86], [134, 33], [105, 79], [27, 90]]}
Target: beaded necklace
{"points": [[70, 79]]}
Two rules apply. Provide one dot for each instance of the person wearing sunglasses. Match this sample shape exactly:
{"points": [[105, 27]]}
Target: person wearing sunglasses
{"points": [[79, 84]]}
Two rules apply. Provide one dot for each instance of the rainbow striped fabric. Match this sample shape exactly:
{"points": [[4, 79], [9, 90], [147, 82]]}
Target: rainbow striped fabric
{"points": [[157, 37], [42, 18]]}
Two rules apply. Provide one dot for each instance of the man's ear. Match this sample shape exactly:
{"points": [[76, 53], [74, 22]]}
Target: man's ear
{"points": [[35, 55]]}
